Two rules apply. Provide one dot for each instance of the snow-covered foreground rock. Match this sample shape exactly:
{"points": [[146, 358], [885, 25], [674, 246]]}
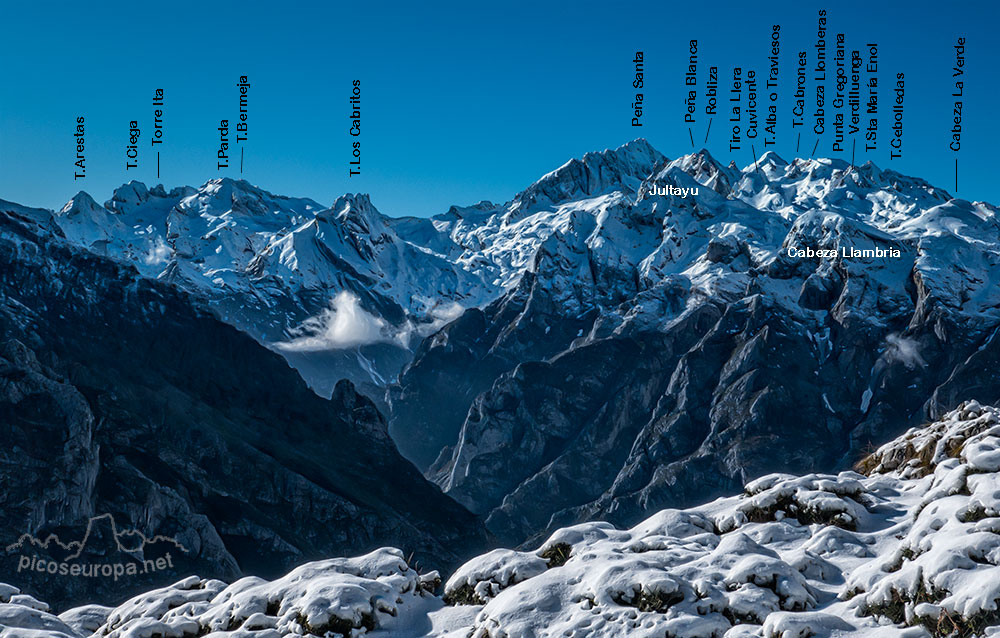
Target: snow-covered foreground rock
{"points": [[911, 547]]}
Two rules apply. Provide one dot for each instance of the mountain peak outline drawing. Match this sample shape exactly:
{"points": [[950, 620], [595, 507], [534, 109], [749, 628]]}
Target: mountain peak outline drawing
{"points": [[127, 541]]}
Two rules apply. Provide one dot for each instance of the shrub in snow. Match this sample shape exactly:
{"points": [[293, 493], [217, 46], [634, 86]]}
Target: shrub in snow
{"points": [[809, 499], [482, 578], [943, 573]]}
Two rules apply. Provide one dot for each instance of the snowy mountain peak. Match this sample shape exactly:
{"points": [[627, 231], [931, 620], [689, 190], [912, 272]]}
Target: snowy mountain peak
{"points": [[227, 194], [85, 221], [238, 197], [705, 170], [595, 173], [355, 214], [702, 157], [128, 196], [81, 203], [770, 157], [637, 154], [228, 183], [475, 210], [276, 262], [354, 205]]}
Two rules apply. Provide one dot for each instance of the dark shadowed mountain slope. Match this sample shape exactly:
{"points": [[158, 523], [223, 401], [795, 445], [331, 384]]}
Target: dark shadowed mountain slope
{"points": [[118, 396]]}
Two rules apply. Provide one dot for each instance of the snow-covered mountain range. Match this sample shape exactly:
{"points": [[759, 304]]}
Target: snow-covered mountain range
{"points": [[307, 279], [629, 332], [908, 547]]}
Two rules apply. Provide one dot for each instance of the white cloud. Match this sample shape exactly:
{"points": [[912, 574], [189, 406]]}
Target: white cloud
{"points": [[905, 351], [345, 324], [440, 315], [158, 253]]}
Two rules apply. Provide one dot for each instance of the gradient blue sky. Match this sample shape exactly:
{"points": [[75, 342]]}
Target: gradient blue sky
{"points": [[460, 101]]}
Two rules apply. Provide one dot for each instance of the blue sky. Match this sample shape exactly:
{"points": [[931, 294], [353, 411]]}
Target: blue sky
{"points": [[460, 101]]}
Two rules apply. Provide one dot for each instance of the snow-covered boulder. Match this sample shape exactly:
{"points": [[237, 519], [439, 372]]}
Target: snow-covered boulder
{"points": [[22, 616]]}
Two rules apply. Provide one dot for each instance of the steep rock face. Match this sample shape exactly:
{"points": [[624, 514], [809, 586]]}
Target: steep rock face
{"points": [[587, 406], [49, 430], [463, 360], [123, 398]]}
